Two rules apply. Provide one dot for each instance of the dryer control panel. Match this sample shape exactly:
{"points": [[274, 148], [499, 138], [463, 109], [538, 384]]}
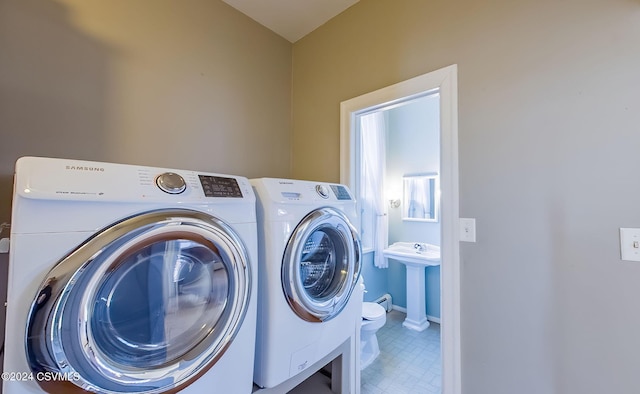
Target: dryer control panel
{"points": [[77, 180], [217, 186]]}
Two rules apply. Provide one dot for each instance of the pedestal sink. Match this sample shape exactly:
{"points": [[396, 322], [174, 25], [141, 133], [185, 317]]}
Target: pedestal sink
{"points": [[416, 256]]}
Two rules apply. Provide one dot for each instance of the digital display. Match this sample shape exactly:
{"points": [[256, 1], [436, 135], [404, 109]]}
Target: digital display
{"points": [[341, 192], [217, 186], [291, 195]]}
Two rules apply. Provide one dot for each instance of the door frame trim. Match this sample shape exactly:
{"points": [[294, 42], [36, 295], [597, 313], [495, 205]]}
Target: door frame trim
{"points": [[444, 81]]}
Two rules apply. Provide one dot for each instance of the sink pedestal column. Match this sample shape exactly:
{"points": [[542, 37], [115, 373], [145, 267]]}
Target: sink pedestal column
{"points": [[416, 302]]}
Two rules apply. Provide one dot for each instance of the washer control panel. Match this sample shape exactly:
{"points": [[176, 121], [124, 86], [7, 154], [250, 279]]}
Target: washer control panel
{"points": [[170, 182], [341, 192]]}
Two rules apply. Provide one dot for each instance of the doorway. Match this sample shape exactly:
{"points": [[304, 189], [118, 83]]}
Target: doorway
{"points": [[442, 84]]}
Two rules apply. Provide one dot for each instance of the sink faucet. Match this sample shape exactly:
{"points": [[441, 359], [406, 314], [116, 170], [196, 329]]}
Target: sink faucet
{"points": [[420, 247]]}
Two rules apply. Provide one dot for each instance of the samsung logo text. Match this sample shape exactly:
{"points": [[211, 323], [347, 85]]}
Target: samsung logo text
{"points": [[84, 168]]}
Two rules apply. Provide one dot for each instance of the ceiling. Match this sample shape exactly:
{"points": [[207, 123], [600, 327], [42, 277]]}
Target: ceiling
{"points": [[291, 19]]}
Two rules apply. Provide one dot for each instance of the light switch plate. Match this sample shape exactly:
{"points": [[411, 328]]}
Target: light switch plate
{"points": [[467, 230], [4, 245], [630, 244]]}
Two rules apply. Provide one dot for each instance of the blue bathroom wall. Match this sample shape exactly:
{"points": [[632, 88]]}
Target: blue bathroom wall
{"points": [[433, 291], [396, 283], [397, 276], [413, 147], [375, 279]]}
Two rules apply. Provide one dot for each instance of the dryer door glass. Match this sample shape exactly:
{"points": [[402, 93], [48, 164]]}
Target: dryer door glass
{"points": [[146, 305], [321, 265], [162, 299]]}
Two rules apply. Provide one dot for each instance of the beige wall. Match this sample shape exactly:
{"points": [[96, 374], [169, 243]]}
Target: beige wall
{"points": [[549, 115], [188, 84], [185, 84]]}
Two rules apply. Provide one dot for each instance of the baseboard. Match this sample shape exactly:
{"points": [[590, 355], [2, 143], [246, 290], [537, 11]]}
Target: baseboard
{"points": [[399, 308], [433, 319]]}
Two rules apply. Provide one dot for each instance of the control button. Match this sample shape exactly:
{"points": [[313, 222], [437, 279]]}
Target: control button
{"points": [[171, 183], [322, 191]]}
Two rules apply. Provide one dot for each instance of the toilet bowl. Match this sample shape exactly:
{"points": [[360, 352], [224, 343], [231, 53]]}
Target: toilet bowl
{"points": [[374, 317]]}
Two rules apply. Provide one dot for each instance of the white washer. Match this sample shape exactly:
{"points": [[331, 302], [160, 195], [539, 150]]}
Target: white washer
{"points": [[130, 279], [309, 299]]}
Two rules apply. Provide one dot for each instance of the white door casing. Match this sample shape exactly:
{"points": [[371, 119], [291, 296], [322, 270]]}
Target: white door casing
{"points": [[444, 82]]}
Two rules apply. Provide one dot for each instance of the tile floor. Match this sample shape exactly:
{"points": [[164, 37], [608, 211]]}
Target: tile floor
{"points": [[409, 361]]}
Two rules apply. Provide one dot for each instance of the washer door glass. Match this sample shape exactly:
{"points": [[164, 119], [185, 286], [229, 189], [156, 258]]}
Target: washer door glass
{"points": [[146, 305], [321, 265], [324, 263]]}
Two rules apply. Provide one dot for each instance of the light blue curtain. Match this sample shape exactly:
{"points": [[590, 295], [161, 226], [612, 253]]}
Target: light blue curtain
{"points": [[372, 130]]}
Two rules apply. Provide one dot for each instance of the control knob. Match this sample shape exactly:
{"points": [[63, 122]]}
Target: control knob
{"points": [[171, 183], [322, 191]]}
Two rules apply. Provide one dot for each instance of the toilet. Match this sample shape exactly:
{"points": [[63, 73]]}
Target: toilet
{"points": [[373, 318]]}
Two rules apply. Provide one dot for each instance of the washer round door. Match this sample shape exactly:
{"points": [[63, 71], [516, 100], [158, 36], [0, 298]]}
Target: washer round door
{"points": [[146, 305], [321, 265]]}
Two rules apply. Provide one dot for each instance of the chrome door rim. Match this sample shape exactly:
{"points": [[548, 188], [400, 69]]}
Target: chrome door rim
{"points": [[44, 343], [301, 303]]}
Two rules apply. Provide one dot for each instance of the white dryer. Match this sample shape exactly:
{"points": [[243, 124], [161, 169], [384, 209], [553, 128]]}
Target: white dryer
{"points": [[309, 299], [130, 279]]}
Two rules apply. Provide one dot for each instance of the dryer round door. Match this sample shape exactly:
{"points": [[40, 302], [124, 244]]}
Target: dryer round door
{"points": [[321, 265], [146, 305]]}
